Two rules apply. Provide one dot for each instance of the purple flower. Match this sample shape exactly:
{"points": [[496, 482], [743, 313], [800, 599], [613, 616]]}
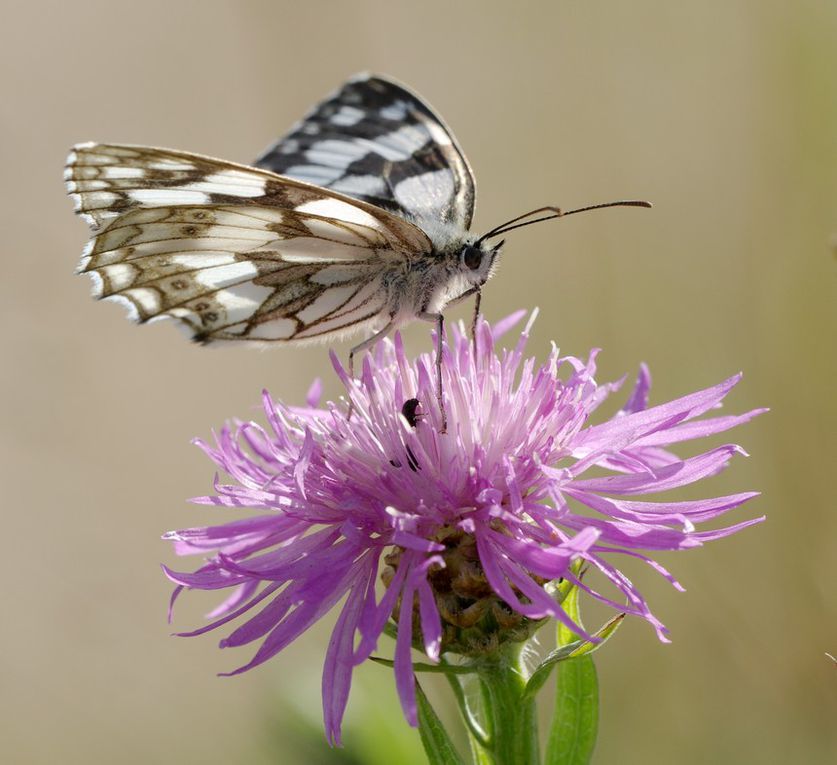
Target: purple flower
{"points": [[470, 523]]}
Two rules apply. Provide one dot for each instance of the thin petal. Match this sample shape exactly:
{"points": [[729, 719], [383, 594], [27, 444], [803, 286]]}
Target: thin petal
{"points": [[638, 400], [668, 477], [695, 511], [295, 623], [700, 429], [337, 669], [231, 615], [372, 623], [404, 679], [642, 423], [500, 328]]}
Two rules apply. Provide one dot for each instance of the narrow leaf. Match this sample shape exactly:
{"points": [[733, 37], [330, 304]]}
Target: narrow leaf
{"points": [[422, 666], [437, 744], [570, 651], [604, 634], [544, 669], [572, 735]]}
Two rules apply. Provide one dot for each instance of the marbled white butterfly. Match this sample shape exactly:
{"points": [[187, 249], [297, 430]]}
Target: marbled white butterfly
{"points": [[358, 219]]}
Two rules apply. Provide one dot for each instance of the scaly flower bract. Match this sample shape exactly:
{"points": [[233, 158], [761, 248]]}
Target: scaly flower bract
{"points": [[506, 481]]}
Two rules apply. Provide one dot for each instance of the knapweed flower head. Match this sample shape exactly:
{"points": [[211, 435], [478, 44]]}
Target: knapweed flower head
{"points": [[452, 535]]}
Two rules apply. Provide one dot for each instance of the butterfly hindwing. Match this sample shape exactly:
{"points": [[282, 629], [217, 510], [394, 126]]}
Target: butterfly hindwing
{"points": [[376, 141], [238, 272], [233, 252]]}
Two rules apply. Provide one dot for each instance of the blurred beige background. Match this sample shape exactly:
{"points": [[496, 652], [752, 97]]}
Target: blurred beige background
{"points": [[724, 114]]}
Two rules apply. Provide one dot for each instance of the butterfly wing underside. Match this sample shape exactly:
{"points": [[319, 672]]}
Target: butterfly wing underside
{"points": [[235, 253], [377, 142]]}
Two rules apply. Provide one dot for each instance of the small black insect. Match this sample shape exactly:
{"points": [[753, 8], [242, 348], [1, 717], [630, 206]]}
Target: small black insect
{"points": [[410, 413]]}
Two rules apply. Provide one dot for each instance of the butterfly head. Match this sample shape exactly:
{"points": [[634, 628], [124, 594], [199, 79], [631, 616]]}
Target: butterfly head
{"points": [[477, 261]]}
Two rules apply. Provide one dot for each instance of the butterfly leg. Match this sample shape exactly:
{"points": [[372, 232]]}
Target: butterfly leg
{"points": [[439, 320], [359, 348], [477, 300]]}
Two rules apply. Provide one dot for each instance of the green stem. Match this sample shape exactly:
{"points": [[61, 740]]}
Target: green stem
{"points": [[508, 715]]}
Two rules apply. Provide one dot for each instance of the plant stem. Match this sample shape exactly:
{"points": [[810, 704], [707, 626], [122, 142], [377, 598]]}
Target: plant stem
{"points": [[508, 717]]}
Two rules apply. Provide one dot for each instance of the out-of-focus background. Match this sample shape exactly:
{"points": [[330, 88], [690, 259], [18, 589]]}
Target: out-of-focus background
{"points": [[723, 114]]}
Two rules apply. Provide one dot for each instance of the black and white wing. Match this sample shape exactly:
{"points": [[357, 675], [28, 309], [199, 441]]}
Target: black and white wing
{"points": [[377, 142], [236, 253]]}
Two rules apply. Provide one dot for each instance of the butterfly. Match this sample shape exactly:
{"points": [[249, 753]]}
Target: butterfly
{"points": [[358, 220]]}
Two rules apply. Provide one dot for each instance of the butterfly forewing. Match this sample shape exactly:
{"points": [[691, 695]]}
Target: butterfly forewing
{"points": [[234, 252], [377, 142]]}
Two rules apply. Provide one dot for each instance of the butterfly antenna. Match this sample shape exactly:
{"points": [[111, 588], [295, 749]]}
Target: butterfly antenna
{"points": [[554, 212]]}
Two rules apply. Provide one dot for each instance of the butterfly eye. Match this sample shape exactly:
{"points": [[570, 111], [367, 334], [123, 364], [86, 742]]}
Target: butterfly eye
{"points": [[472, 257]]}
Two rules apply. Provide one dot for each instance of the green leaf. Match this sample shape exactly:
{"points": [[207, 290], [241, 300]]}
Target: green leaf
{"points": [[437, 744], [572, 735], [544, 669], [570, 651], [421, 666]]}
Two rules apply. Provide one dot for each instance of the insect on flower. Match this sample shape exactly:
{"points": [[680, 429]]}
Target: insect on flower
{"points": [[410, 411], [529, 478], [358, 220]]}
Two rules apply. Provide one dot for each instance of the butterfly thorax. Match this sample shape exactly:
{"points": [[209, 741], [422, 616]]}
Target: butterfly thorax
{"points": [[457, 264]]}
